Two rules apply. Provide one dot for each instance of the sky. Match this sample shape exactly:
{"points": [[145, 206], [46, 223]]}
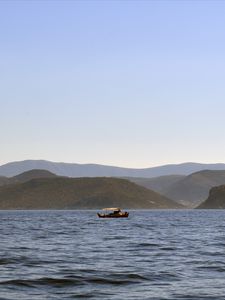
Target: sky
{"points": [[124, 83]]}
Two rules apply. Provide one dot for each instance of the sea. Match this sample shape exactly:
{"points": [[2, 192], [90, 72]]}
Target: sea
{"points": [[153, 254]]}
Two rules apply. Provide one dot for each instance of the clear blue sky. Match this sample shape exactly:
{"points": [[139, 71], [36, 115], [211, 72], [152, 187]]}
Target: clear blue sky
{"points": [[127, 83]]}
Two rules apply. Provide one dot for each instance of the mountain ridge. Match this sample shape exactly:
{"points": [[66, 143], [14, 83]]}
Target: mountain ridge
{"points": [[96, 170]]}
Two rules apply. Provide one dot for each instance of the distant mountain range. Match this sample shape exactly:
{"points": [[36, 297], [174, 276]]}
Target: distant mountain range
{"points": [[178, 182], [94, 170], [40, 189]]}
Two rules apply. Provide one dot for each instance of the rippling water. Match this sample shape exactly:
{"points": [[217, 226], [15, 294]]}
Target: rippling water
{"points": [[74, 255]]}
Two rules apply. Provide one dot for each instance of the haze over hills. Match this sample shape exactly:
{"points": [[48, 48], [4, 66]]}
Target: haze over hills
{"points": [[215, 200], [158, 184], [79, 193], [189, 190], [94, 170], [195, 188]]}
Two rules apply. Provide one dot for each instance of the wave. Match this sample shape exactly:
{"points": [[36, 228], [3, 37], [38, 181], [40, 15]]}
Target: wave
{"points": [[119, 279]]}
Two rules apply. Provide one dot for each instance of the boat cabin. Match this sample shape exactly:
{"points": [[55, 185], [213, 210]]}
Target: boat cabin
{"points": [[113, 212]]}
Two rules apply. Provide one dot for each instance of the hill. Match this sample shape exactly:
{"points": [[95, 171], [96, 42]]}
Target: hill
{"points": [[193, 189], [80, 193], [32, 174], [189, 190], [25, 176], [94, 170], [215, 200]]}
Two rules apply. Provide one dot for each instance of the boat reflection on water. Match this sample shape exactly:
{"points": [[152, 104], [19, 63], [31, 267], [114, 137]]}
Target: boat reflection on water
{"points": [[113, 212]]}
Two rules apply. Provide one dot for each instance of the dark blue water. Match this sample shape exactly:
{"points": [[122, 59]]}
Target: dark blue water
{"points": [[75, 255]]}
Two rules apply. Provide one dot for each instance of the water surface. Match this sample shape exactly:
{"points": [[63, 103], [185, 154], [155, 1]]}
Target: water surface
{"points": [[158, 254]]}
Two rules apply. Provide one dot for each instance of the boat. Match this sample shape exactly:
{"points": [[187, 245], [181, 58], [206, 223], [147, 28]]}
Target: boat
{"points": [[113, 212]]}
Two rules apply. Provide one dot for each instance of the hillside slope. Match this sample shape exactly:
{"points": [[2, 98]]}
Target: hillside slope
{"points": [[215, 200], [5, 180], [80, 193]]}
